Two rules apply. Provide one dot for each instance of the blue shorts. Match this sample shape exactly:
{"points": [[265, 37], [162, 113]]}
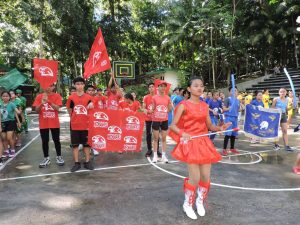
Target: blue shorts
{"points": [[234, 124]]}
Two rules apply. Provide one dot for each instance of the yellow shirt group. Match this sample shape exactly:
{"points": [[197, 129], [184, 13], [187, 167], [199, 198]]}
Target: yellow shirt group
{"points": [[266, 100]]}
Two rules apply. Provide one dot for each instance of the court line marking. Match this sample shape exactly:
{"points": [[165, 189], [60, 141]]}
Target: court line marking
{"points": [[228, 186], [79, 171], [246, 163], [18, 152]]}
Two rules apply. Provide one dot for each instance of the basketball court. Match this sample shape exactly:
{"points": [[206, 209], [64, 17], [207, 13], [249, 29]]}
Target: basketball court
{"points": [[256, 186]]}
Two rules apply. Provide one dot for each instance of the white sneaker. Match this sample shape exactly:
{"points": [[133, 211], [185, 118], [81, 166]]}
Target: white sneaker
{"points": [[60, 161], [95, 152], [46, 161], [154, 159], [164, 159]]}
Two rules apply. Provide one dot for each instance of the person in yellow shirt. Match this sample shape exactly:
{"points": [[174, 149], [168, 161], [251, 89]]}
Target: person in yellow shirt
{"points": [[290, 108], [266, 98], [248, 98]]}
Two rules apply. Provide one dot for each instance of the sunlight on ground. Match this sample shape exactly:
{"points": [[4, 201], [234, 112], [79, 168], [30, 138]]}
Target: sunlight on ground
{"points": [[62, 202]]}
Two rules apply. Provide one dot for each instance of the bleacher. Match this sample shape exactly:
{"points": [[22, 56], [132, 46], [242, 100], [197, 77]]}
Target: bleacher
{"points": [[276, 81]]}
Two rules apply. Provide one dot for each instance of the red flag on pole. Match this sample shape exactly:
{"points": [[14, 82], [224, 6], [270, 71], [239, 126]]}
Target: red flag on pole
{"points": [[98, 60], [45, 71]]}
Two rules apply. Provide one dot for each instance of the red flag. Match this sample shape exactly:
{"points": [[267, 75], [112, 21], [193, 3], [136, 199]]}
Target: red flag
{"points": [[45, 71], [98, 60], [157, 82]]}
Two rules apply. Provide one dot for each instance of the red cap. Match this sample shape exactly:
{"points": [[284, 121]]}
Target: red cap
{"points": [[162, 82]]}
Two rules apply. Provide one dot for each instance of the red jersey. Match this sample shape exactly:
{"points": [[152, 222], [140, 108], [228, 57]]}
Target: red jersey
{"points": [[147, 100], [99, 102], [125, 106], [137, 104], [113, 100], [160, 104], [48, 117], [79, 115]]}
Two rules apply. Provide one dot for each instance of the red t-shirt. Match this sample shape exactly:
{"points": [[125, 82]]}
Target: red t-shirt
{"points": [[125, 106], [99, 102], [113, 100], [160, 104], [147, 100], [48, 117], [79, 115]]}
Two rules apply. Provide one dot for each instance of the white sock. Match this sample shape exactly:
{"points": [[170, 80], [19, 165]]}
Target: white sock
{"points": [[163, 153], [155, 154]]}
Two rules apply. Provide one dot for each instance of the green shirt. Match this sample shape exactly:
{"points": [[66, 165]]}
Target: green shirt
{"points": [[23, 102], [7, 112], [17, 102]]}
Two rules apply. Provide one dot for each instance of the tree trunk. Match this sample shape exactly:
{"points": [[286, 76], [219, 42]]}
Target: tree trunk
{"points": [[75, 66], [41, 40]]}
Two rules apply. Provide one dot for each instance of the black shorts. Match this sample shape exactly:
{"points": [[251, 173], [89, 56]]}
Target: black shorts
{"points": [[163, 125], [283, 118], [79, 137], [9, 126]]}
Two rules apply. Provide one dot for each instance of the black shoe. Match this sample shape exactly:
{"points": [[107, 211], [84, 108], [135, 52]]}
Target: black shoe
{"points": [[148, 153], [76, 167], [159, 154], [88, 165]]}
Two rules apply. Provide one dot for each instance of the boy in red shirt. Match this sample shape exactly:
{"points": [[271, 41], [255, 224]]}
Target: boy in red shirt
{"points": [[128, 103], [113, 94], [161, 105], [47, 104], [78, 105], [99, 100], [147, 107]]}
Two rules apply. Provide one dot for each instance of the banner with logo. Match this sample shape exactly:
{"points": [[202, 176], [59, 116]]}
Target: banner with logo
{"points": [[261, 123], [157, 82], [98, 60], [116, 130], [45, 72]]}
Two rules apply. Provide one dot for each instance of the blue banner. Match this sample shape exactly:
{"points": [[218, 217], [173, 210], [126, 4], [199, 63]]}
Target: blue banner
{"points": [[261, 123]]}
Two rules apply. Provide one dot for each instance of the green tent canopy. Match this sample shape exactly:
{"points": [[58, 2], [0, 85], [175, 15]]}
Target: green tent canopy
{"points": [[12, 79]]}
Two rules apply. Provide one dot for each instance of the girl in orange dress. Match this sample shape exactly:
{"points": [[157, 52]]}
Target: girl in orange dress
{"points": [[192, 119]]}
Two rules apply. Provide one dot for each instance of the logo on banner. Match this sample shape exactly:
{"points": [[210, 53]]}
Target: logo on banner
{"points": [[101, 116], [130, 143], [115, 133], [45, 71], [96, 57], [133, 123], [264, 125], [80, 109], [98, 142]]}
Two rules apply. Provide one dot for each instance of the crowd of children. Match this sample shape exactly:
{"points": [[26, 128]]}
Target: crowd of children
{"points": [[13, 122], [188, 113]]}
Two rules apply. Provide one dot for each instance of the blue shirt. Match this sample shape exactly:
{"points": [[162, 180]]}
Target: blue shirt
{"points": [[282, 104], [215, 106], [257, 103], [177, 100], [234, 105]]}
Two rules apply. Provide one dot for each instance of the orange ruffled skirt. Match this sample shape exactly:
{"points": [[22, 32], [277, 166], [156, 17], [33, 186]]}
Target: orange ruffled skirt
{"points": [[197, 151]]}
